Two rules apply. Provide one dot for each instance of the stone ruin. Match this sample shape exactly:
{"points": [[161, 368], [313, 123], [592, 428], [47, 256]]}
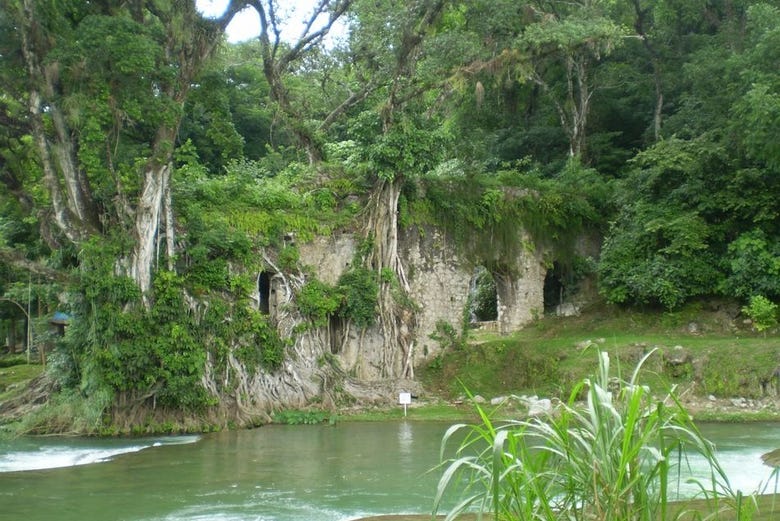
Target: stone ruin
{"points": [[440, 282]]}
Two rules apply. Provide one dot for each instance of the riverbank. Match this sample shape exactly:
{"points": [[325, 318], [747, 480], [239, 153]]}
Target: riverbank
{"points": [[703, 409], [716, 364], [720, 369]]}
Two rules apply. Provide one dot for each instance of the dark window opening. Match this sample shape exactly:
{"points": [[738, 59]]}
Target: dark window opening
{"points": [[264, 289], [554, 288], [336, 326]]}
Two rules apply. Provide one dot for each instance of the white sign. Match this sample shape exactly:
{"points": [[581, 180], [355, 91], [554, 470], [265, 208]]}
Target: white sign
{"points": [[405, 398]]}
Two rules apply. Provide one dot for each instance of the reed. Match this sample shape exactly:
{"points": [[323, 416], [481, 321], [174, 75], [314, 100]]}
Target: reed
{"points": [[612, 452]]}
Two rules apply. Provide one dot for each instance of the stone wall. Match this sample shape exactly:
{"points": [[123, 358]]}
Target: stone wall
{"points": [[520, 291], [439, 283], [329, 256]]}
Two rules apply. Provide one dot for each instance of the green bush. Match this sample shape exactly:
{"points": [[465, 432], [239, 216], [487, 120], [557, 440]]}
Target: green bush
{"points": [[360, 295], [12, 360], [762, 311], [447, 336], [258, 342], [656, 256], [318, 301], [354, 298], [754, 266], [289, 257]]}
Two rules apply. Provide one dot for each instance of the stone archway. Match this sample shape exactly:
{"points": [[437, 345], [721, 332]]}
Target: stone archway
{"points": [[483, 298]]}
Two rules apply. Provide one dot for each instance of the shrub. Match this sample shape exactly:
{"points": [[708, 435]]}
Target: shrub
{"points": [[754, 266], [361, 292], [447, 336], [609, 459], [762, 311], [354, 298], [655, 256], [317, 301]]}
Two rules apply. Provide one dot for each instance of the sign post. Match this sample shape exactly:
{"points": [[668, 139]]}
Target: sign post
{"points": [[405, 399]]}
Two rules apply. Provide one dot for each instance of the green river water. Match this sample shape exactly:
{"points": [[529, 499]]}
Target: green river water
{"points": [[275, 473]]}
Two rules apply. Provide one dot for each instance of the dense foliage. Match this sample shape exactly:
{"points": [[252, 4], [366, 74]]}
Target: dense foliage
{"points": [[148, 167]]}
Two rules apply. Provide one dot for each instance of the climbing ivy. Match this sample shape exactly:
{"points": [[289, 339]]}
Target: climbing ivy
{"points": [[318, 301], [484, 213], [360, 293], [258, 342], [158, 352], [353, 298]]}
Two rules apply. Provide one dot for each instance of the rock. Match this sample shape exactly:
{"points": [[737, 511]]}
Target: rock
{"points": [[498, 400], [738, 402], [540, 407], [712, 398], [677, 362], [528, 400], [693, 328], [478, 399], [583, 345], [567, 309]]}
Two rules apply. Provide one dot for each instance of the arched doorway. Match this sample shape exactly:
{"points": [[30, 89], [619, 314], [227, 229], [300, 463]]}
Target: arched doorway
{"points": [[555, 283], [483, 297]]}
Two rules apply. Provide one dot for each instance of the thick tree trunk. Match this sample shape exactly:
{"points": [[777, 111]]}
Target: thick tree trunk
{"points": [[395, 321], [73, 210], [147, 223], [60, 211], [170, 230], [74, 178]]}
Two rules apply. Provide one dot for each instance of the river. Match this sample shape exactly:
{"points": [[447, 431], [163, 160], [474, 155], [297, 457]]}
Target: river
{"points": [[275, 473]]}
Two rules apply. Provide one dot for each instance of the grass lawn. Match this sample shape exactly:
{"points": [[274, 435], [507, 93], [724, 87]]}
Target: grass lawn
{"points": [[549, 357], [14, 377]]}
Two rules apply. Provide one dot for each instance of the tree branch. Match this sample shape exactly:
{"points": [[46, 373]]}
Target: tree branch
{"points": [[17, 260]]}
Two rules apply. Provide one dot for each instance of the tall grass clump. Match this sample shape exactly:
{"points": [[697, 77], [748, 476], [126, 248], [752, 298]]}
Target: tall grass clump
{"points": [[612, 452]]}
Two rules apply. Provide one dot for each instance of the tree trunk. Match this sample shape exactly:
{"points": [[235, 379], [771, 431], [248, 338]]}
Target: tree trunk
{"points": [[61, 212], [73, 210], [640, 24], [170, 230], [147, 223], [573, 113], [395, 321], [278, 56]]}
